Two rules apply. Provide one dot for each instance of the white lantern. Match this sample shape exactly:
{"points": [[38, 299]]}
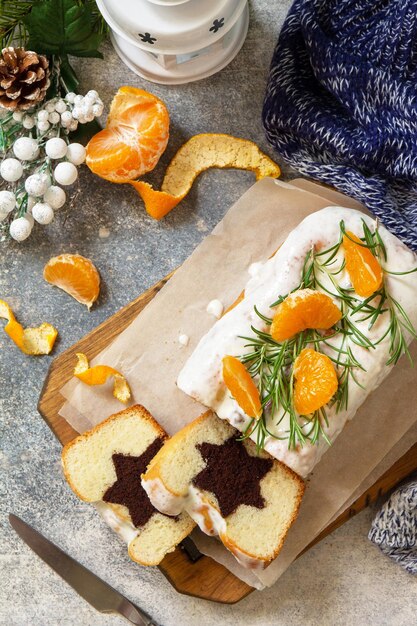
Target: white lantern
{"points": [[176, 41]]}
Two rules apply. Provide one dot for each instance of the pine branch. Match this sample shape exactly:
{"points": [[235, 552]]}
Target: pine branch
{"points": [[12, 29]]}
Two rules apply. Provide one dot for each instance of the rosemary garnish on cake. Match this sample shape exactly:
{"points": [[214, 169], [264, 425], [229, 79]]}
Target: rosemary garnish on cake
{"points": [[271, 362]]}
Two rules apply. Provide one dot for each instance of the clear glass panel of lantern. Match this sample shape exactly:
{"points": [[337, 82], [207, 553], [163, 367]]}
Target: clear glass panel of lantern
{"points": [[171, 60], [215, 47]]}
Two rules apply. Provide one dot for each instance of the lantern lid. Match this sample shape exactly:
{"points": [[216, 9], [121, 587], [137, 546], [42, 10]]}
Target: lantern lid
{"points": [[171, 26]]}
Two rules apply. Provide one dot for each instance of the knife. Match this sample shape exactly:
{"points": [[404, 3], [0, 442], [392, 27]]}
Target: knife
{"points": [[89, 586]]}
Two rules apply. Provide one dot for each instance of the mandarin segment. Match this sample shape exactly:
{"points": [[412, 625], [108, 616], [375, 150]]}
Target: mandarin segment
{"points": [[134, 139], [127, 97], [111, 155], [315, 381], [364, 270], [76, 275], [302, 309], [242, 387]]}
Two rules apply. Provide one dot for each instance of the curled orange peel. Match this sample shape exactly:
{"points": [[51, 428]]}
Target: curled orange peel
{"points": [[32, 341], [198, 154], [99, 374]]}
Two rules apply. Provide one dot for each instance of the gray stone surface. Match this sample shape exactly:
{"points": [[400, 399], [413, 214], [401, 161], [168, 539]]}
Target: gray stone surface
{"points": [[344, 580]]}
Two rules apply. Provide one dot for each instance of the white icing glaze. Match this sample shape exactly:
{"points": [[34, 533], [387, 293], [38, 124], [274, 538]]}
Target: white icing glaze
{"points": [[255, 268], [201, 376], [203, 513], [161, 498], [122, 527], [215, 307], [183, 339]]}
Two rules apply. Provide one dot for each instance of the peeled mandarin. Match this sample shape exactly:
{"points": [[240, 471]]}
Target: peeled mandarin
{"points": [[134, 139]]}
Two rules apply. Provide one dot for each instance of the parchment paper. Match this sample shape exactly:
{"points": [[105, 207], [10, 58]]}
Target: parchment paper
{"points": [[149, 355]]}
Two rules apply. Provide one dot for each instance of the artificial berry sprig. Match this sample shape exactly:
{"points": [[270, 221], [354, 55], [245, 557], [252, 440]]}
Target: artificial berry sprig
{"points": [[38, 160]]}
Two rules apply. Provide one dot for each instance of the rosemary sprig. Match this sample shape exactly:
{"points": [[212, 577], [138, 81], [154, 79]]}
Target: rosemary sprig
{"points": [[270, 363]]}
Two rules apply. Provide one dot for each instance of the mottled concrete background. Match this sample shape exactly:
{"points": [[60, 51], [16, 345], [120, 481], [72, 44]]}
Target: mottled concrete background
{"points": [[344, 580]]}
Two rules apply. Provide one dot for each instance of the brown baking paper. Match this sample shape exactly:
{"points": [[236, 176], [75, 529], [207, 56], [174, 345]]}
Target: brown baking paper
{"points": [[150, 356]]}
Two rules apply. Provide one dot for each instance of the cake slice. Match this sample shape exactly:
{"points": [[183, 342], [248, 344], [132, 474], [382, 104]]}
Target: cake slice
{"points": [[248, 499], [104, 466]]}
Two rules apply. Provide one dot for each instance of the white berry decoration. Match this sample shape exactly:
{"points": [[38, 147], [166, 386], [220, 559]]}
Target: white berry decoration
{"points": [[55, 197], [38, 163], [98, 109], [28, 122], [76, 153], [54, 117], [42, 116], [11, 170], [43, 126], [65, 173], [20, 229], [77, 114], [56, 148], [26, 148], [37, 184], [66, 118], [60, 106], [43, 213], [91, 96], [7, 201]]}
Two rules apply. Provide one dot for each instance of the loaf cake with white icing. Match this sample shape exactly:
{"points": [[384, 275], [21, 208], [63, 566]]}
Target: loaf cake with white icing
{"points": [[357, 266], [248, 499], [104, 466]]}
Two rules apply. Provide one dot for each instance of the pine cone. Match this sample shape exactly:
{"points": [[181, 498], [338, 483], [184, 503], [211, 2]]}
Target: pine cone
{"points": [[24, 78]]}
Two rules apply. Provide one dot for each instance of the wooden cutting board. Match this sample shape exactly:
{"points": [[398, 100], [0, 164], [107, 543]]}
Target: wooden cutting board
{"points": [[205, 578]]}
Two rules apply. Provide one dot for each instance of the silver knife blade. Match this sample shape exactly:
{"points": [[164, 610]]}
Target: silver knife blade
{"points": [[89, 586]]}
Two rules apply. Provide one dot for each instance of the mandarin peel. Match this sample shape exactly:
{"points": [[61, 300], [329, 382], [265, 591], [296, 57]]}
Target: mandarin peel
{"points": [[99, 374], [198, 154], [31, 341], [241, 386]]}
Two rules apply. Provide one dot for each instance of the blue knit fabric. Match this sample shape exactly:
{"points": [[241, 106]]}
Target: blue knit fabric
{"points": [[341, 102], [394, 528]]}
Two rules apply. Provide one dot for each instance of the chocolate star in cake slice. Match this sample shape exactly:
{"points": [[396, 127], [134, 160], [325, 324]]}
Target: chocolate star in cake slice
{"points": [[246, 497], [104, 466]]}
